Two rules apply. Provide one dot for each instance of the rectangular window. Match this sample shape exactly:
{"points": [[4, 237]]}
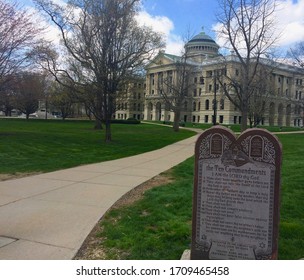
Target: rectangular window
{"points": [[221, 119], [206, 118], [152, 79], [222, 104], [235, 119]]}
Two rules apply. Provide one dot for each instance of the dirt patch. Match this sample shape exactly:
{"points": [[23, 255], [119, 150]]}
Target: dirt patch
{"points": [[5, 177], [92, 249]]}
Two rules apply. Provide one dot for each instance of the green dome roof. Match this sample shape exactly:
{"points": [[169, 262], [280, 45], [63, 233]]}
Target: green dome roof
{"points": [[202, 45], [202, 37]]}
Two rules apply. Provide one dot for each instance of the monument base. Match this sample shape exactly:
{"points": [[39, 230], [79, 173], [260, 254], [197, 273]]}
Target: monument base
{"points": [[186, 255]]}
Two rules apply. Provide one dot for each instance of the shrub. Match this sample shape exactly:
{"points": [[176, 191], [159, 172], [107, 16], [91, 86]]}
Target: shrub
{"points": [[128, 121]]}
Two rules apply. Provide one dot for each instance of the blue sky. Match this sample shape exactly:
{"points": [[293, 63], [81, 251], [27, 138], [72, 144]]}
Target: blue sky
{"points": [[175, 18], [185, 13]]}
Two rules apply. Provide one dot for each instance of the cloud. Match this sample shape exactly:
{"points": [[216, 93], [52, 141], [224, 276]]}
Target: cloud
{"points": [[165, 26], [289, 28], [290, 20], [50, 32]]}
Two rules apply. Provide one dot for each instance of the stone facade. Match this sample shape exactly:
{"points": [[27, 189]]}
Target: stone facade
{"points": [[131, 100]]}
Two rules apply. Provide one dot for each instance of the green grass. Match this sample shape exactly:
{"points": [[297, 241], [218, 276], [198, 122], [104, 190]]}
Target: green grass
{"points": [[237, 127], [159, 225], [291, 242], [156, 227], [40, 145]]}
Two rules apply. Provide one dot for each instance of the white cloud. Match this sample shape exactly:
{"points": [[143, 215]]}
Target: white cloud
{"points": [[163, 25], [289, 18]]}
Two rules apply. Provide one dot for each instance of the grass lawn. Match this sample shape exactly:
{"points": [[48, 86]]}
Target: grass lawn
{"points": [[159, 225], [48, 145]]}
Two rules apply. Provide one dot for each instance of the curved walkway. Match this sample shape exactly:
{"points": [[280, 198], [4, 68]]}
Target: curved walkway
{"points": [[48, 216]]}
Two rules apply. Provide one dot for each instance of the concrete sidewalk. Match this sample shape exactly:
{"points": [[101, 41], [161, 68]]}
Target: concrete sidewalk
{"points": [[48, 216]]}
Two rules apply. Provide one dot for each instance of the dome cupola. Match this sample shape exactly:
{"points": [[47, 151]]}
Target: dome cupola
{"points": [[202, 45]]}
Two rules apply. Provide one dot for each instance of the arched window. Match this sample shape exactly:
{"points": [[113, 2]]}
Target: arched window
{"points": [[207, 104]]}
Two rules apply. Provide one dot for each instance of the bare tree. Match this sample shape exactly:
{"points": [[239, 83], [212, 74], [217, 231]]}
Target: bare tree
{"points": [[258, 98], [175, 87], [28, 91], [248, 26], [297, 54], [18, 33], [62, 99], [104, 43], [6, 100]]}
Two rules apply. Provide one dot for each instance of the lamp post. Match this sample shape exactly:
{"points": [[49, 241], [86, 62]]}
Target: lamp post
{"points": [[214, 103]]}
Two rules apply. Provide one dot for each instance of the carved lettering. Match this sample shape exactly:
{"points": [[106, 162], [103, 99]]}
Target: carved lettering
{"points": [[236, 196]]}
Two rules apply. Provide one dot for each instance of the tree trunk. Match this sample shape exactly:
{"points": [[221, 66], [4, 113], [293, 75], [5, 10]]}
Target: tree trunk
{"points": [[98, 125], [244, 120], [244, 109], [251, 122], [108, 135], [176, 121]]}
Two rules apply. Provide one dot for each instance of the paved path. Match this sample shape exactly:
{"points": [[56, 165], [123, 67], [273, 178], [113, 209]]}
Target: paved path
{"points": [[48, 216]]}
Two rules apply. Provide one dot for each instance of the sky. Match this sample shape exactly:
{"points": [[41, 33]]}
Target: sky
{"points": [[179, 19]]}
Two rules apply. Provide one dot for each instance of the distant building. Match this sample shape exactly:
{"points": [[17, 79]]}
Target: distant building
{"points": [[131, 100]]}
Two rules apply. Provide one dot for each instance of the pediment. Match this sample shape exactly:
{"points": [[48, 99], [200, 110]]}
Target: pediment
{"points": [[162, 59]]}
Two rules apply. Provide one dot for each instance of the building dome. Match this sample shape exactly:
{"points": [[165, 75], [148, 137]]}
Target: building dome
{"points": [[202, 45]]}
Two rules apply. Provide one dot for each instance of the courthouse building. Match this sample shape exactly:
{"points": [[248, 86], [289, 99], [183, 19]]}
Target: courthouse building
{"points": [[142, 98], [283, 105]]}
